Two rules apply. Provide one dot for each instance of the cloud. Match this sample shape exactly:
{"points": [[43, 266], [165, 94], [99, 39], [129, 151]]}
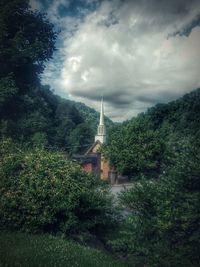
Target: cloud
{"points": [[36, 4], [135, 53]]}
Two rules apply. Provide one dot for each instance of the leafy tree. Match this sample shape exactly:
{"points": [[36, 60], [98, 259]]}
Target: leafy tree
{"points": [[27, 40], [8, 90], [140, 146], [180, 116], [45, 191], [30, 112], [81, 137], [135, 148], [39, 139], [163, 226]]}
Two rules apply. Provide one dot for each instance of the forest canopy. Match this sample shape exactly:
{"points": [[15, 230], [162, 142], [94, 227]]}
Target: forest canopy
{"points": [[29, 111], [141, 146]]}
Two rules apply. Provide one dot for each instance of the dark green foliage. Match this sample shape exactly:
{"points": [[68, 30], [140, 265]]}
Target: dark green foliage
{"points": [[27, 40], [29, 112], [140, 146], [44, 191], [91, 117], [23, 249], [164, 226], [42, 118], [135, 148], [181, 116], [8, 90], [81, 137]]}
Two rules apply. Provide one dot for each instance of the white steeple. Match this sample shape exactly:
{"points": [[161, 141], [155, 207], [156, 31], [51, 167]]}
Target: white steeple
{"points": [[101, 122], [101, 130]]}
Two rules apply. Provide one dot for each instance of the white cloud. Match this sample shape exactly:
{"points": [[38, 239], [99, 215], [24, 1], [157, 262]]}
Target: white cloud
{"points": [[122, 51], [35, 4]]}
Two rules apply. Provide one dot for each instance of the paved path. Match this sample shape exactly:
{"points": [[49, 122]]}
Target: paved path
{"points": [[117, 188]]}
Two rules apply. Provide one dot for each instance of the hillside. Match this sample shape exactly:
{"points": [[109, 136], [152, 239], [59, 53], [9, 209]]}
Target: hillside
{"points": [[22, 249], [182, 115], [31, 113], [40, 118], [91, 116], [141, 145]]}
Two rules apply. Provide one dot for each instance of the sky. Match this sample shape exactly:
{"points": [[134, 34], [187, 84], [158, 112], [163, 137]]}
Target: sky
{"points": [[136, 53]]}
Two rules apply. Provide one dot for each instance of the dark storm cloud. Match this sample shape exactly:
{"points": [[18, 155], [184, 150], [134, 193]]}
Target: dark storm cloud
{"points": [[159, 14], [136, 53], [188, 28], [116, 98], [164, 7]]}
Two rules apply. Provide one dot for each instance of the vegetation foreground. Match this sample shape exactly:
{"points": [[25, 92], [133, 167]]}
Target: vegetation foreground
{"points": [[43, 191], [22, 249]]}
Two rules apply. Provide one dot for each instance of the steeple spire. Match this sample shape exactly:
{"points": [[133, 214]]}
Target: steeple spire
{"points": [[101, 122], [101, 130]]}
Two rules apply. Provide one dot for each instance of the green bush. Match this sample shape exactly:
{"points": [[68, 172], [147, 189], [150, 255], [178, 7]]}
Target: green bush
{"points": [[163, 228], [44, 191]]}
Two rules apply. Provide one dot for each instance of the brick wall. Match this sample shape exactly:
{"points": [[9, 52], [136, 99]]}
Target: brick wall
{"points": [[104, 169], [87, 167]]}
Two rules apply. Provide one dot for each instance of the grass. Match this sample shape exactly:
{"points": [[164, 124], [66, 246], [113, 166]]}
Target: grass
{"points": [[27, 250]]}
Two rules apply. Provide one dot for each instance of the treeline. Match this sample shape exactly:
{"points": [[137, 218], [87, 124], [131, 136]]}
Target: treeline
{"points": [[91, 116], [39, 118], [160, 151], [142, 145], [29, 112], [42, 190]]}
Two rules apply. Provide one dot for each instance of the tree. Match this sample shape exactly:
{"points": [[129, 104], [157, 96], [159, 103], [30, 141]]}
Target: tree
{"points": [[27, 40], [163, 226], [135, 148], [42, 190], [81, 137], [29, 111]]}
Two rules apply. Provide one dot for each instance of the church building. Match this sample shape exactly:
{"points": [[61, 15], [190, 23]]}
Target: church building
{"points": [[93, 160], [100, 138]]}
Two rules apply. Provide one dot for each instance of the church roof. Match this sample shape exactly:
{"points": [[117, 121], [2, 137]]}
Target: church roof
{"points": [[91, 148], [83, 159]]}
